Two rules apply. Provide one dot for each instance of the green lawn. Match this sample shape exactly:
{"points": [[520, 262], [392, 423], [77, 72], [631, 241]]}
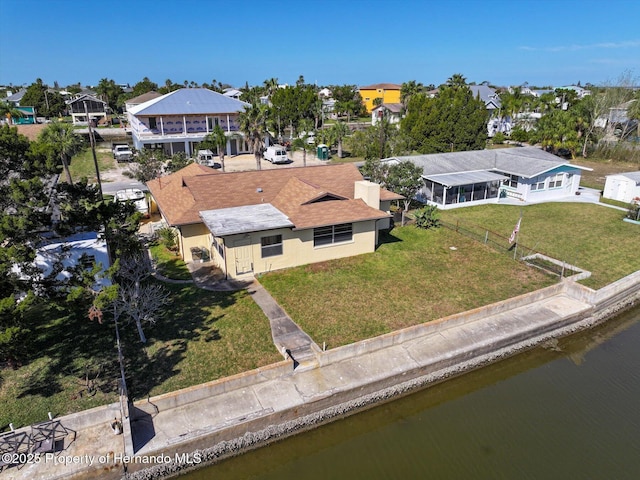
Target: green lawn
{"points": [[82, 164], [412, 278], [169, 264], [588, 236], [202, 336]]}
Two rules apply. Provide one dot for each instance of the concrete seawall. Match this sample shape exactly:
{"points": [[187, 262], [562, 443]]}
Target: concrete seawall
{"points": [[391, 365], [229, 416]]}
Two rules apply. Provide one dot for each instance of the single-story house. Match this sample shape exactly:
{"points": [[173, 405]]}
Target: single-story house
{"points": [[393, 112], [624, 187], [528, 174], [180, 120], [64, 254], [145, 97], [257, 221]]}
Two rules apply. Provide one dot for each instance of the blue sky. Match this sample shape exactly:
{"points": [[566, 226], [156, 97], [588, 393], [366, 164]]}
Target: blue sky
{"points": [[543, 42]]}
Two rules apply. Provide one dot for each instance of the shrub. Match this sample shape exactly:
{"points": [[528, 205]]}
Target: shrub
{"points": [[498, 138], [168, 237], [427, 217]]}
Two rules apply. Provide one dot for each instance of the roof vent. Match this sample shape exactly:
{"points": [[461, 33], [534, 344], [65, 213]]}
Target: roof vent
{"points": [[259, 190]]}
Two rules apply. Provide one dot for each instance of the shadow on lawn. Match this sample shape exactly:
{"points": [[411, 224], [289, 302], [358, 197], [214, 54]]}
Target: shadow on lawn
{"points": [[77, 348], [386, 237], [188, 319]]}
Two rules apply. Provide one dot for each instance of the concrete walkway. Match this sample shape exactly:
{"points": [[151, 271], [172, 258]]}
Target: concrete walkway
{"points": [[287, 336]]}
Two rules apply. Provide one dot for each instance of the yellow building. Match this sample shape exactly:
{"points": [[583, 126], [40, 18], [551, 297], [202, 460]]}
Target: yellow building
{"points": [[388, 92], [257, 221]]}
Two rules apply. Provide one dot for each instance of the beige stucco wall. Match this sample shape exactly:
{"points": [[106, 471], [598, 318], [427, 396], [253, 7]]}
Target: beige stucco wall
{"points": [[297, 249], [196, 235]]}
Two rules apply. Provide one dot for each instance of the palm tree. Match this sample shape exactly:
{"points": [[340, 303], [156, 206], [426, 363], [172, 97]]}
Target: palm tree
{"points": [[339, 130], [253, 121], [63, 142], [456, 80], [408, 90], [218, 138], [8, 111]]}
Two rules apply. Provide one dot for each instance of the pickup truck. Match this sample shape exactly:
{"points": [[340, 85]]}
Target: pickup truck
{"points": [[122, 152]]}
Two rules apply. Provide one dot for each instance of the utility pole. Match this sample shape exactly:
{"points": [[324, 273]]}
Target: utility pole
{"points": [[93, 149]]}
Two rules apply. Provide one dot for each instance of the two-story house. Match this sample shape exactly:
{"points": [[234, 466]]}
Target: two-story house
{"points": [[388, 92], [180, 120], [86, 105]]}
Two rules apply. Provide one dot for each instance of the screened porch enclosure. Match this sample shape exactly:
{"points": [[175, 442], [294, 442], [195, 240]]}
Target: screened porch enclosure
{"points": [[455, 188]]}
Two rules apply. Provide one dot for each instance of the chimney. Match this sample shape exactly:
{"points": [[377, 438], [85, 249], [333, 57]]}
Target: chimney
{"points": [[369, 192]]}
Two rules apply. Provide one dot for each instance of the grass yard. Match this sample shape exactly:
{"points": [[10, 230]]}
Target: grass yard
{"points": [[168, 264], [602, 168], [588, 236], [82, 164], [412, 278], [201, 337]]}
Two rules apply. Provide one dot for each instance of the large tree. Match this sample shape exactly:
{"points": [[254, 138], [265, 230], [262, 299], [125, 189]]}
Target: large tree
{"points": [[144, 86], [253, 124], [339, 131], [408, 90], [47, 102], [110, 92], [62, 142], [405, 179], [348, 101], [216, 140], [452, 121], [9, 112]]}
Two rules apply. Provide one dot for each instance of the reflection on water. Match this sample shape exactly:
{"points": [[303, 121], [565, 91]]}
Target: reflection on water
{"points": [[569, 410]]}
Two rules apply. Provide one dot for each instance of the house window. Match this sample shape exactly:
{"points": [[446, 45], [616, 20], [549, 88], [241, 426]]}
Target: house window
{"points": [[556, 180], [217, 245], [538, 183], [212, 122], [332, 234], [271, 246], [87, 261], [512, 181], [153, 123]]}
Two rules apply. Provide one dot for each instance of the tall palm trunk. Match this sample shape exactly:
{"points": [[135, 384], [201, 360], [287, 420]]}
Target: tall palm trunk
{"points": [[65, 166]]}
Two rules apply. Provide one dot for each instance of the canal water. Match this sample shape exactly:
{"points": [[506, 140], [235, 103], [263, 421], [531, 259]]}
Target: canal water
{"points": [[570, 410]]}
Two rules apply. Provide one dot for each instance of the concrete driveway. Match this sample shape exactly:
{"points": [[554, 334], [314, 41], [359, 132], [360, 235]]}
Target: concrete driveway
{"points": [[114, 179]]}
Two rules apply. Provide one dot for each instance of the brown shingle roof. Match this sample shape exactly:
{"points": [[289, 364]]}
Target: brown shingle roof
{"points": [[183, 194], [385, 86]]}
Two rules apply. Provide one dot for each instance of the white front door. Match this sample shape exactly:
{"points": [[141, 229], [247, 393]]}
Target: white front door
{"points": [[244, 257]]}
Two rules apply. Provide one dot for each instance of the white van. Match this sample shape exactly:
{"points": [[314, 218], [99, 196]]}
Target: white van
{"points": [[276, 154], [205, 157]]}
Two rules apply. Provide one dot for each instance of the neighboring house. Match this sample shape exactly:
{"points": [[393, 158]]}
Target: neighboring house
{"points": [[581, 92], [624, 187], [145, 97], [83, 104], [180, 120], [392, 111], [28, 116], [81, 249], [491, 99], [15, 98], [528, 174], [232, 93], [257, 221], [388, 92]]}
